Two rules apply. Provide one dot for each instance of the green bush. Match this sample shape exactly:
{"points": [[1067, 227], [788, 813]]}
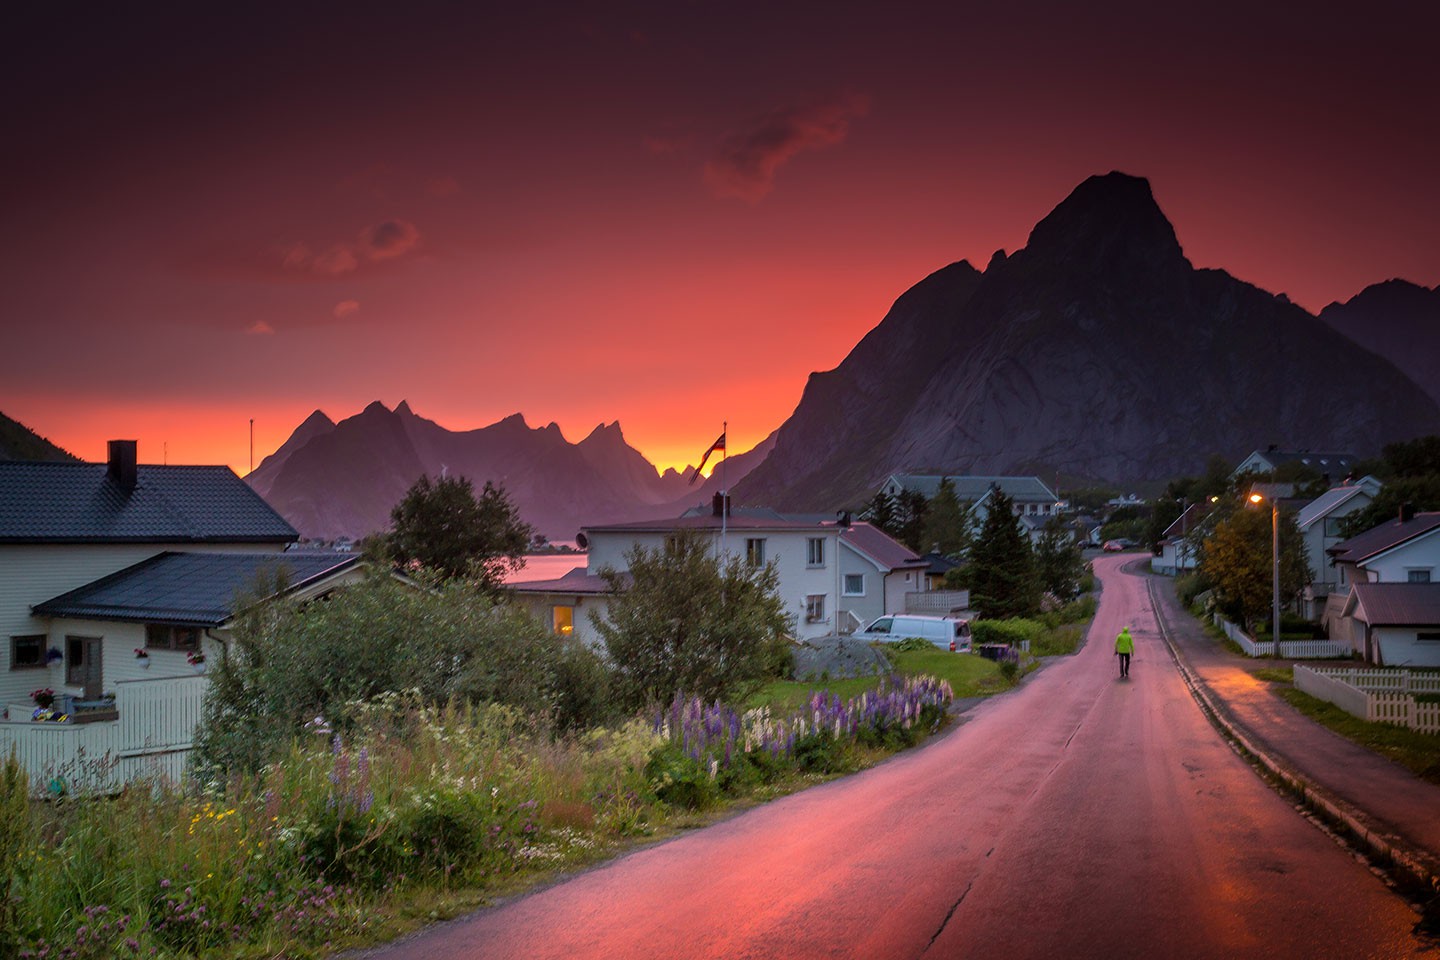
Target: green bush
{"points": [[14, 831], [1188, 586], [1013, 630], [910, 644], [682, 781]]}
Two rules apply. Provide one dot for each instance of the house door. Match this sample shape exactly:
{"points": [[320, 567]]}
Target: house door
{"points": [[82, 665]]}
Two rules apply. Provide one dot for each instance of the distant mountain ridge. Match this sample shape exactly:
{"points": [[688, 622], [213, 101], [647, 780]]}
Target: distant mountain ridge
{"points": [[1398, 320], [1097, 352], [342, 479], [19, 442]]}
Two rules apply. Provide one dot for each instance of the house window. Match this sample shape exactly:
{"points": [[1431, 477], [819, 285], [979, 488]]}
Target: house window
{"points": [[161, 636], [1418, 576], [1332, 526], [854, 584], [815, 552], [755, 551], [1428, 636], [815, 608], [27, 653], [562, 620]]}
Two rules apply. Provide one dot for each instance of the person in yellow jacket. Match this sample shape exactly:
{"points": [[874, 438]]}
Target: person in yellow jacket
{"points": [[1124, 646]]}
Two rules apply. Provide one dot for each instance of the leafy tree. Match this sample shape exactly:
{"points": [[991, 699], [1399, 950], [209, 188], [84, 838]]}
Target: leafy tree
{"points": [[1411, 471], [442, 526], [291, 662], [1002, 568], [947, 528], [680, 619], [1058, 563], [1236, 560]]}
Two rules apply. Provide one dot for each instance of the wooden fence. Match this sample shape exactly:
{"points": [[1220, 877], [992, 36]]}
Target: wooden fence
{"points": [[1379, 696], [152, 736], [936, 603], [1289, 649]]}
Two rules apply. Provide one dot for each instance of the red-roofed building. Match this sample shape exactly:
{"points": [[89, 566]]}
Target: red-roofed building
{"points": [[1396, 624], [876, 573]]}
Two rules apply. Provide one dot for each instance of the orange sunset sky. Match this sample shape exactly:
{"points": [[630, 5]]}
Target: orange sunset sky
{"points": [[667, 214]]}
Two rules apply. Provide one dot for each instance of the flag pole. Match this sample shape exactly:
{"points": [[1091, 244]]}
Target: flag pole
{"points": [[724, 495]]}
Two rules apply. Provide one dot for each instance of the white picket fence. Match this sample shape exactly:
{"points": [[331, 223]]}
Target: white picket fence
{"points": [[1379, 696], [1289, 649], [152, 736]]}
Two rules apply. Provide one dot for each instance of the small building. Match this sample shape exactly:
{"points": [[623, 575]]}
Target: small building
{"points": [[877, 573], [1336, 465], [1178, 552], [1403, 550], [1395, 624]]}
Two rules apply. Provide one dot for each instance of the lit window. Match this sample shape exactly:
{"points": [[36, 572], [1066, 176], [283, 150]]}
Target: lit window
{"points": [[854, 584], [755, 551], [815, 552], [562, 620]]}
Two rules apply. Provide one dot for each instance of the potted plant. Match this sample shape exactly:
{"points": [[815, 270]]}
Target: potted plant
{"points": [[44, 698], [196, 659], [143, 656]]}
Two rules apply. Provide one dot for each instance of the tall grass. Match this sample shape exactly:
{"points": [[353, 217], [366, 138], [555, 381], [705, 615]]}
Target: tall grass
{"points": [[324, 845]]}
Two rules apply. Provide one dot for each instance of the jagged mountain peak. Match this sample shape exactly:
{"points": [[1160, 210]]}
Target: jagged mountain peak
{"points": [[605, 433], [1109, 223], [317, 420]]}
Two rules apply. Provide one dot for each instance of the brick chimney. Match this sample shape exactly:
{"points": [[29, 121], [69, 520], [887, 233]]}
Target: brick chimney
{"points": [[1407, 512], [720, 505], [121, 466]]}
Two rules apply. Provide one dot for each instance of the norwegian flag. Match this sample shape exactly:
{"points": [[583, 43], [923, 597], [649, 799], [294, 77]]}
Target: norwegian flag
{"points": [[719, 444]]}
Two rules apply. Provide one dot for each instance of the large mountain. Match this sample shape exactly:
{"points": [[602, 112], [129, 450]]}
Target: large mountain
{"points": [[342, 479], [1398, 320], [1096, 352]]}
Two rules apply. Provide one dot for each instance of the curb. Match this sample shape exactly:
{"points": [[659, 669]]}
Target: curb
{"points": [[1419, 865]]}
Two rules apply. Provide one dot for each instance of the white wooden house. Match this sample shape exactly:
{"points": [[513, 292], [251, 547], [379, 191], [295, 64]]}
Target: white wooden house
{"points": [[1319, 522], [1395, 624], [877, 573], [1033, 501], [806, 555], [1405, 550], [101, 562]]}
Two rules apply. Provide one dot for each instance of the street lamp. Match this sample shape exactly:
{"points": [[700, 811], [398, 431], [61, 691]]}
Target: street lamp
{"points": [[1275, 565]]}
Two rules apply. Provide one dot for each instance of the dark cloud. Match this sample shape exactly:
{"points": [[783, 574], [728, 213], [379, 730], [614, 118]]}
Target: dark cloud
{"points": [[748, 159], [387, 240]]}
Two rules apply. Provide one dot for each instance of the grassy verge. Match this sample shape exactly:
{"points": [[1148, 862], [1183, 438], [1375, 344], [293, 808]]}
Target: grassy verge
{"points": [[1417, 752], [415, 814], [968, 675]]}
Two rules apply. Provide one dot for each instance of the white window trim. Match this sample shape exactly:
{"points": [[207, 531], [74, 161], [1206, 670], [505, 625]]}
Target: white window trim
{"points": [[845, 585]]}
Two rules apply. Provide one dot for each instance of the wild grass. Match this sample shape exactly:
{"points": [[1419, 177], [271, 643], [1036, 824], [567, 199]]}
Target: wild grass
{"points": [[968, 675], [417, 813], [1415, 751]]}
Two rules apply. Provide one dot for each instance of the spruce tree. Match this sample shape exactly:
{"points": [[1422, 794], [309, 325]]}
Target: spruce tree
{"points": [[1002, 567]]}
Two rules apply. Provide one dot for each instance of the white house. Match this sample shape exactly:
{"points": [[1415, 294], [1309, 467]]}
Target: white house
{"points": [[1395, 624], [806, 557], [100, 562], [1405, 550], [1337, 465], [876, 574], [1319, 522], [1177, 545], [1033, 501]]}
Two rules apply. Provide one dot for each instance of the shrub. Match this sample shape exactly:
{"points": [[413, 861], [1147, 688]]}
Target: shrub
{"points": [[14, 831], [1188, 586], [1013, 630]]}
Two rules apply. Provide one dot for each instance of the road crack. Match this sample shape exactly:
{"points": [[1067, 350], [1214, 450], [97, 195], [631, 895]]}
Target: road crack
{"points": [[953, 907]]}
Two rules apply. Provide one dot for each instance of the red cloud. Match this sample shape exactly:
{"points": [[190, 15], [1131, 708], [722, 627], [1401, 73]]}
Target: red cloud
{"points": [[748, 159], [386, 240]]}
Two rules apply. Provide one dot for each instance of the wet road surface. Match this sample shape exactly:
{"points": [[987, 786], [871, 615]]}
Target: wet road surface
{"points": [[1080, 816]]}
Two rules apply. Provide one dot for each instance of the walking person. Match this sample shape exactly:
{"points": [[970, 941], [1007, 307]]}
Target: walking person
{"points": [[1124, 646]]}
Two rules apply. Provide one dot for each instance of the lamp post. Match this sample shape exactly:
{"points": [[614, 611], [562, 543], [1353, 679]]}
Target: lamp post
{"points": [[1274, 565]]}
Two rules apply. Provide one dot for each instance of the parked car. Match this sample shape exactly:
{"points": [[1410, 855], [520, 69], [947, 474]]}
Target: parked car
{"points": [[941, 631], [1113, 546]]}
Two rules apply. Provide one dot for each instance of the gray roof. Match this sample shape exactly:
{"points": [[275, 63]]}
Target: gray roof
{"points": [[1019, 489], [79, 503], [577, 581], [1389, 534], [1321, 461], [189, 589], [1399, 604]]}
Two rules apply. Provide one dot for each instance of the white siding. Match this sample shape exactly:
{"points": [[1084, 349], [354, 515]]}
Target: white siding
{"points": [[1400, 648], [34, 573], [1421, 553]]}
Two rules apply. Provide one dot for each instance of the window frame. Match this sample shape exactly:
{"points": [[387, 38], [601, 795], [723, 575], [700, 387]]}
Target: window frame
{"points": [[815, 608], [845, 590], [556, 627], [43, 660], [167, 636], [1418, 575], [814, 553], [755, 551]]}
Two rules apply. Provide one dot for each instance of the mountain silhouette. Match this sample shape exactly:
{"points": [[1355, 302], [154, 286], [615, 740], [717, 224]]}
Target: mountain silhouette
{"points": [[1398, 320], [342, 479], [1097, 353]]}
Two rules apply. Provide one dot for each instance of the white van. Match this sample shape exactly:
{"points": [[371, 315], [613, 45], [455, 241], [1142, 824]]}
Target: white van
{"points": [[941, 631]]}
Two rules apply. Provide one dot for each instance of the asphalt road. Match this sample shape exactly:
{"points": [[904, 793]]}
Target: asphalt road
{"points": [[1080, 816]]}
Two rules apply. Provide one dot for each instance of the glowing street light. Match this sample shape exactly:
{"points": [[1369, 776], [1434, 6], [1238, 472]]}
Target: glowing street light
{"points": [[1275, 565]]}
